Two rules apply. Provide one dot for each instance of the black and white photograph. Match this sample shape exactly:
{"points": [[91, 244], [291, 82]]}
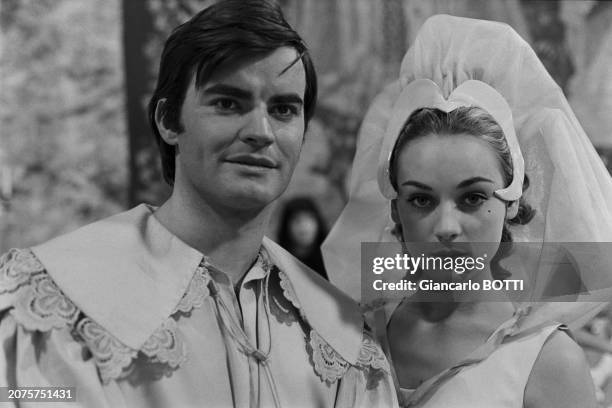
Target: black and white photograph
{"points": [[306, 203]]}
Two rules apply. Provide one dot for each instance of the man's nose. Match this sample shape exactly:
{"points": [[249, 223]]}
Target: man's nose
{"points": [[258, 130], [448, 226]]}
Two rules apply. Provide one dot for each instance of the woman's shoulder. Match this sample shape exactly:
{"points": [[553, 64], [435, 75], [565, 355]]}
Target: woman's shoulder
{"points": [[560, 376]]}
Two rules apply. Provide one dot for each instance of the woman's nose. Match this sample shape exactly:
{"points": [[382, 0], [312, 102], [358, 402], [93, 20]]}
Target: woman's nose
{"points": [[448, 226]]}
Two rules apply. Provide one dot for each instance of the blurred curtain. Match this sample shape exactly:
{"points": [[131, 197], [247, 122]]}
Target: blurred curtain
{"points": [[357, 47], [590, 90]]}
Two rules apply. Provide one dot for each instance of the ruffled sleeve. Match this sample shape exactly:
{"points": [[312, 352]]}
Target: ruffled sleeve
{"points": [[36, 324]]}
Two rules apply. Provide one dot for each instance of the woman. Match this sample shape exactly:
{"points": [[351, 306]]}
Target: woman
{"points": [[445, 196], [302, 231], [451, 139]]}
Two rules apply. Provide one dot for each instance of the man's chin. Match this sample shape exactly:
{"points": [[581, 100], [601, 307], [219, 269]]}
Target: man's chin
{"points": [[252, 197]]}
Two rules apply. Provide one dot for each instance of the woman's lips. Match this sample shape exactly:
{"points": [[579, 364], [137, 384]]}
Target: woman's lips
{"points": [[450, 253]]}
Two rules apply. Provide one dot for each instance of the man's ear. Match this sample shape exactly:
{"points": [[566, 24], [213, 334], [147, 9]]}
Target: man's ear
{"points": [[394, 214], [512, 210], [168, 135]]}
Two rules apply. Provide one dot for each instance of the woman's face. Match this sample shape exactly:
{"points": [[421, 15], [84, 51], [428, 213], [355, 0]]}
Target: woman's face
{"points": [[446, 186], [303, 228]]}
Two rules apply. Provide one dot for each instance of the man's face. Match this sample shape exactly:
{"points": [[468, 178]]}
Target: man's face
{"points": [[243, 132]]}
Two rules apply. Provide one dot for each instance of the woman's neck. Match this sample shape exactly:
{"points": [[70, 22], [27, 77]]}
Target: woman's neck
{"points": [[442, 304], [438, 312]]}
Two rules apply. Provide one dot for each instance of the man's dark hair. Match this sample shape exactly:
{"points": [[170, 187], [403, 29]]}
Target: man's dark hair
{"points": [[220, 35]]}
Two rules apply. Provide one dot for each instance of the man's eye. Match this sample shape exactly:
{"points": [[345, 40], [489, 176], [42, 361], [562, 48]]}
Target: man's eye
{"points": [[284, 111], [225, 105], [474, 199], [420, 201]]}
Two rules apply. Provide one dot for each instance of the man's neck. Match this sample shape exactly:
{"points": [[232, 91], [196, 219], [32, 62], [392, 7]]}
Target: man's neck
{"points": [[230, 238]]}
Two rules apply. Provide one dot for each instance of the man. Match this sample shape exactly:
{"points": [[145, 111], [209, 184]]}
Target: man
{"points": [[189, 304]]}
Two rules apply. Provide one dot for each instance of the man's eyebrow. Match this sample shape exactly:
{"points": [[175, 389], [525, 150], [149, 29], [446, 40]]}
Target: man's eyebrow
{"points": [[287, 98], [416, 184], [473, 180], [227, 90]]}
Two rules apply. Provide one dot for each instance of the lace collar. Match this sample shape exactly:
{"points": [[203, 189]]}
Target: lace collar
{"points": [[128, 273]]}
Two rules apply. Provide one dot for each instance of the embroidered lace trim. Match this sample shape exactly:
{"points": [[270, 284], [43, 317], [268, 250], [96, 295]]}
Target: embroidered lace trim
{"points": [[281, 308], [165, 345], [330, 366], [288, 290], [111, 356], [371, 355], [16, 269], [39, 304], [196, 292]]}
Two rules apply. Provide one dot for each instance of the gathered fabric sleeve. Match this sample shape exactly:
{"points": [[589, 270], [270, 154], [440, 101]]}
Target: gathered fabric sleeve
{"points": [[36, 335]]}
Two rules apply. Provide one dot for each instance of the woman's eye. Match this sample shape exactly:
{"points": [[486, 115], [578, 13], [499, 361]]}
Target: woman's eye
{"points": [[474, 199], [420, 201]]}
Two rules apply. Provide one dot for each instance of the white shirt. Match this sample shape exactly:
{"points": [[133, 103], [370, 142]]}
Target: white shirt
{"points": [[133, 317]]}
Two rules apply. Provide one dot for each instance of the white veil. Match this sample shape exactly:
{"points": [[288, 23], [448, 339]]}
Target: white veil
{"points": [[570, 188]]}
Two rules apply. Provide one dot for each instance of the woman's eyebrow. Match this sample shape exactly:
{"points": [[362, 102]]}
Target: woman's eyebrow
{"points": [[473, 180], [416, 184]]}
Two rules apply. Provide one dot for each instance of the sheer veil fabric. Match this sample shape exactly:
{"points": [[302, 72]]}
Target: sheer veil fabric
{"points": [[570, 188]]}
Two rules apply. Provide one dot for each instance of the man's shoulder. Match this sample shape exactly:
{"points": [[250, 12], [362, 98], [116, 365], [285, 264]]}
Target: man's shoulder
{"points": [[129, 241], [309, 280], [19, 266], [331, 313], [112, 228], [110, 268]]}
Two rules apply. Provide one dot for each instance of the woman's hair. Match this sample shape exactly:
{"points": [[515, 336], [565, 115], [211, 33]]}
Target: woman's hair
{"points": [[474, 121]]}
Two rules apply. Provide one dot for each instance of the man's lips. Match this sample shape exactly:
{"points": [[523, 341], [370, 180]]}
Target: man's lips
{"points": [[252, 160]]}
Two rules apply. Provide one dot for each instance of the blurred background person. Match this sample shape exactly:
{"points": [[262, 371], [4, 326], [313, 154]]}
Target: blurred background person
{"points": [[302, 230]]}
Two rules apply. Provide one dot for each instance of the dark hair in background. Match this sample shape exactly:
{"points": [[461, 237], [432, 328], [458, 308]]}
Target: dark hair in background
{"points": [[291, 209], [477, 122], [222, 34]]}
